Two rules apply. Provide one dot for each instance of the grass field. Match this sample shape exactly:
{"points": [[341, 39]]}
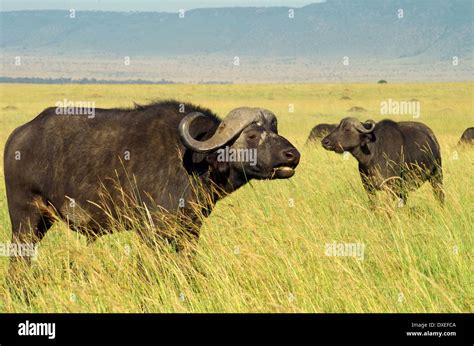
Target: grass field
{"points": [[263, 248]]}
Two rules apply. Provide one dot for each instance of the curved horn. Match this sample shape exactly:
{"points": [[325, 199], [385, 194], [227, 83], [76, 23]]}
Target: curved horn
{"points": [[361, 128], [229, 128]]}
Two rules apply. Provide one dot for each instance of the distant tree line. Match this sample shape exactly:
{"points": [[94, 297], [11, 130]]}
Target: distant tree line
{"points": [[35, 80]]}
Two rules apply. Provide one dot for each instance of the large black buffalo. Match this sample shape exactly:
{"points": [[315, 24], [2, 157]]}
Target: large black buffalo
{"points": [[319, 131], [164, 161], [467, 136], [395, 156]]}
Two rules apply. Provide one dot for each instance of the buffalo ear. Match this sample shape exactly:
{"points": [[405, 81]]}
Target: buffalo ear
{"points": [[215, 164], [366, 138], [194, 162]]}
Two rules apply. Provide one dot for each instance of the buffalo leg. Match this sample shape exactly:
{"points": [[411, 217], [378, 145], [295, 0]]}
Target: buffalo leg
{"points": [[29, 225], [399, 187], [436, 181], [187, 248], [184, 246], [402, 198], [369, 187]]}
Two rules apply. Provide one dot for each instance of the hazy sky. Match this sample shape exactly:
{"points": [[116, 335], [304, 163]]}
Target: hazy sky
{"points": [[140, 5]]}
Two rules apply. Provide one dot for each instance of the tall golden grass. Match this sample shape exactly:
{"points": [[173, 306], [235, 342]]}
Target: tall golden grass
{"points": [[263, 248]]}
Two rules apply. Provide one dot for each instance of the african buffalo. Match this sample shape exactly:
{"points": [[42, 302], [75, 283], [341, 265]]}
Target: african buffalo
{"points": [[395, 156], [161, 160], [467, 136], [319, 131]]}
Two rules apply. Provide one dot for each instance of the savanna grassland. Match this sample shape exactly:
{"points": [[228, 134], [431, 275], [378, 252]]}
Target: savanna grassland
{"points": [[263, 248]]}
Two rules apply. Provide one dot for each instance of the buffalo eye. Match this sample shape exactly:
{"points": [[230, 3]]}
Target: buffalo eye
{"points": [[252, 136]]}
